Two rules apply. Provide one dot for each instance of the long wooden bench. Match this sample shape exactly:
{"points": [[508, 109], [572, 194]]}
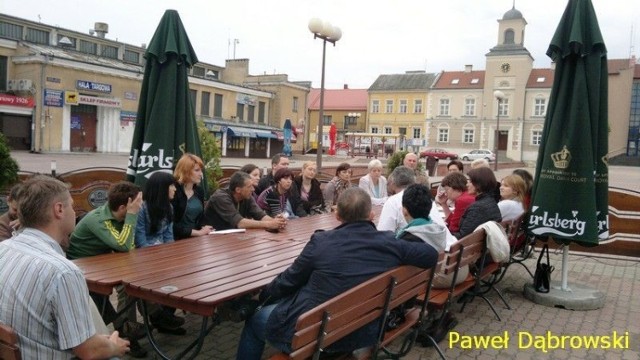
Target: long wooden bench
{"points": [[370, 301], [466, 252]]}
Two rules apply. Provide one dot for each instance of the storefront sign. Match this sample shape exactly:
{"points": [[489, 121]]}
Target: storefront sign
{"points": [[99, 101], [71, 97], [75, 122], [6, 99], [53, 97], [130, 95], [93, 86], [246, 99], [128, 118]]}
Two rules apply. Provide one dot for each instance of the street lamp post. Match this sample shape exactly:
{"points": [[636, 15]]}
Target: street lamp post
{"points": [[328, 33], [353, 117], [499, 95]]}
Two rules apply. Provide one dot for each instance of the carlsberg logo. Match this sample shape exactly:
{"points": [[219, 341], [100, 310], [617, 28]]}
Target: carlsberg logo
{"points": [[553, 223], [143, 164]]}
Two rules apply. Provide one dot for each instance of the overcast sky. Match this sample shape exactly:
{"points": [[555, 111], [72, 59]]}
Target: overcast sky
{"points": [[379, 36]]}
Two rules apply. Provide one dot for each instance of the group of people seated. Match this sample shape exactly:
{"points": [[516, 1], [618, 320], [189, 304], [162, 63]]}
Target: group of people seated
{"points": [[44, 236]]}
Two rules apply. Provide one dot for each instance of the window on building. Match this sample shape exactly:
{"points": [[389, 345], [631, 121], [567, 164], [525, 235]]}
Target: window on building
{"points": [[37, 36], [403, 106], [205, 103], [540, 107], [509, 36], [374, 130], [88, 47], [475, 80], [261, 112], [132, 56], [110, 51], [193, 94], [240, 111], [72, 39], [470, 107], [3, 73], [11, 31], [375, 106], [443, 135], [217, 105], [540, 79], [351, 120], [444, 107], [388, 130], [389, 106], [536, 137], [633, 137], [417, 133], [417, 106], [294, 107], [326, 120], [251, 109], [468, 135], [455, 81], [198, 71], [503, 108]]}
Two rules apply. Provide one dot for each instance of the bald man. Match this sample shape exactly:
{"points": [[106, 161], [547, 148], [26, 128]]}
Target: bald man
{"points": [[411, 161]]}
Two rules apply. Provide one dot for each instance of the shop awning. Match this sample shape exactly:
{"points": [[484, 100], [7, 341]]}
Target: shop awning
{"points": [[264, 134], [242, 131]]}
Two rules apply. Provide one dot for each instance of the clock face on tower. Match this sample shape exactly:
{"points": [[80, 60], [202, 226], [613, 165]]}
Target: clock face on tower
{"points": [[505, 67]]}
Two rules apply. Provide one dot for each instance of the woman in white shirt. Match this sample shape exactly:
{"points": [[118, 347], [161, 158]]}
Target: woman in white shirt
{"points": [[512, 193], [374, 183]]}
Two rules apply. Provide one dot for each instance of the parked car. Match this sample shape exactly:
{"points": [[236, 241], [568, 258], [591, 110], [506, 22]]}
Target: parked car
{"points": [[479, 154], [439, 154]]}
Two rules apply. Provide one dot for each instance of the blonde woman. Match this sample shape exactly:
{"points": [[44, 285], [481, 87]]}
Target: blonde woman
{"points": [[188, 202], [512, 193], [374, 183], [308, 188]]}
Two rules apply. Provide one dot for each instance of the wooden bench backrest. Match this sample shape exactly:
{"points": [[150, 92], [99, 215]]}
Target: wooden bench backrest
{"points": [[624, 214], [349, 311], [468, 250], [9, 349]]}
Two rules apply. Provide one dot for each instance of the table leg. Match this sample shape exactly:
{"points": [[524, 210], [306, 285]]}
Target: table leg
{"points": [[194, 347]]}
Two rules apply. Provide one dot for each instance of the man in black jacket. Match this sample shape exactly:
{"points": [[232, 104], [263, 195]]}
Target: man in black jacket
{"points": [[331, 263]]}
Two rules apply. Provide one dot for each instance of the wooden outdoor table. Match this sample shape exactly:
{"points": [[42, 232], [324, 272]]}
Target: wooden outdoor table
{"points": [[199, 274]]}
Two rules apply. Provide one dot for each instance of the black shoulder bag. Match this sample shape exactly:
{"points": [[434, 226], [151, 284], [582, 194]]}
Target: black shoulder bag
{"points": [[542, 276]]}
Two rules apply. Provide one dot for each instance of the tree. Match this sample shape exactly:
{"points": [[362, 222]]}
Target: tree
{"points": [[210, 157], [8, 166]]}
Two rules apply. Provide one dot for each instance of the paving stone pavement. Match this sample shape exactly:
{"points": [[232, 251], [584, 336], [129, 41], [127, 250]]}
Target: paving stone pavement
{"points": [[621, 313]]}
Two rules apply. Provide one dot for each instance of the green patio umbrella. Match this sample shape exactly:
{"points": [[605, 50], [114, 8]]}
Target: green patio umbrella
{"points": [[569, 201], [166, 124]]}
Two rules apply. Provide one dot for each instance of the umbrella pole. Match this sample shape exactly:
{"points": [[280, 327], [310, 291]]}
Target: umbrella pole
{"points": [[565, 268]]}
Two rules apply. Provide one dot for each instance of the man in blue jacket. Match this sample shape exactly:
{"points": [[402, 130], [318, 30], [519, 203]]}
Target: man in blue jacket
{"points": [[332, 262]]}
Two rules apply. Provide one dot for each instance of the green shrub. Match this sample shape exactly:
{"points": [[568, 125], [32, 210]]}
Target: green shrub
{"points": [[8, 166], [210, 157]]}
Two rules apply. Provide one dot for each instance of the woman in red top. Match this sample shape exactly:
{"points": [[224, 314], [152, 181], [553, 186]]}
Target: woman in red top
{"points": [[455, 186]]}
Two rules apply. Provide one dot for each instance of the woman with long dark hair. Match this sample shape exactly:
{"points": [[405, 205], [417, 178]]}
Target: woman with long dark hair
{"points": [[155, 218], [279, 199], [482, 184]]}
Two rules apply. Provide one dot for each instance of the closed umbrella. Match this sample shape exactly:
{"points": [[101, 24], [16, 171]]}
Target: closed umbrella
{"points": [[286, 148], [569, 201], [165, 125]]}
